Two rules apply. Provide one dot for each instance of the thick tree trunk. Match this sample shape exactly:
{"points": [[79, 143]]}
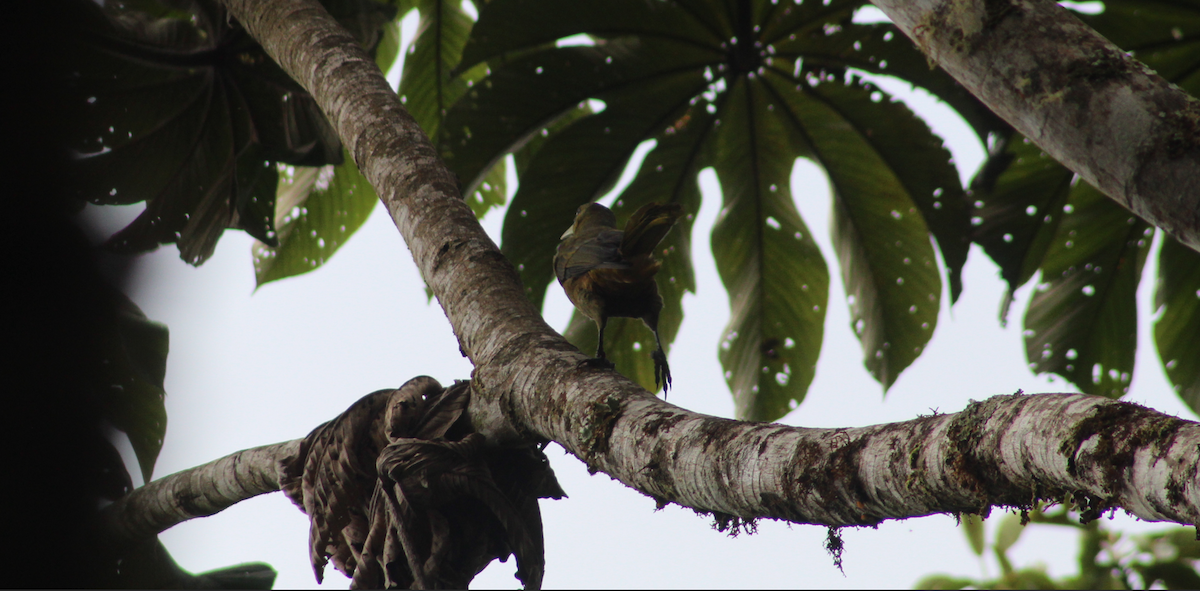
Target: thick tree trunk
{"points": [[1089, 105], [529, 383]]}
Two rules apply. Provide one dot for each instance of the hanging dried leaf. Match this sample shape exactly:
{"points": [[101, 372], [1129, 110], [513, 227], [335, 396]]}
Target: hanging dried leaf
{"points": [[401, 493]]}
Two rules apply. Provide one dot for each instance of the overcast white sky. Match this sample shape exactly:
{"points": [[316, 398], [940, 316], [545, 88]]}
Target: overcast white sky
{"points": [[248, 368]]}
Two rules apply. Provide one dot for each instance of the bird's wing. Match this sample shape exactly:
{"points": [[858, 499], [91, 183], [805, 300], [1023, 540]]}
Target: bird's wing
{"points": [[579, 254]]}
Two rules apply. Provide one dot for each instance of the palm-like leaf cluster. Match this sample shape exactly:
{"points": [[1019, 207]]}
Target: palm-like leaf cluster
{"points": [[572, 89]]}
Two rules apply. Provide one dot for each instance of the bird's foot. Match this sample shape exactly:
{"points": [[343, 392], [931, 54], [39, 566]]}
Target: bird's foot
{"points": [[662, 371]]}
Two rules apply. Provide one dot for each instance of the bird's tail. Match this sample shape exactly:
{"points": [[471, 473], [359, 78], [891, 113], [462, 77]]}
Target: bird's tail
{"points": [[647, 227]]}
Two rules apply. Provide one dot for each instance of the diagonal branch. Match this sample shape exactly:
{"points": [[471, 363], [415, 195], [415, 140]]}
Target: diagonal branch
{"points": [[1083, 100]]}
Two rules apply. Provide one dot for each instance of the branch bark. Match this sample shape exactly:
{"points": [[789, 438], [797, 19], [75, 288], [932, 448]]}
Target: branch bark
{"points": [[1083, 100], [1006, 451], [529, 383], [197, 492]]}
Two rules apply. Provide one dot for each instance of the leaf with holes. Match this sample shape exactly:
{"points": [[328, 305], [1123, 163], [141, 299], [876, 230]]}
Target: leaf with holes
{"points": [[775, 275], [1020, 193], [658, 66], [880, 236], [319, 209], [1160, 34], [188, 114], [1082, 320]]}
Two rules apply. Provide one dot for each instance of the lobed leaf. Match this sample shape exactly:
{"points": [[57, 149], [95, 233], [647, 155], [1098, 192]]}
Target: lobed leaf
{"points": [[656, 65], [776, 277], [188, 114], [495, 39], [319, 209], [879, 49], [522, 99], [1020, 195], [1082, 320], [880, 237], [427, 88], [921, 167]]}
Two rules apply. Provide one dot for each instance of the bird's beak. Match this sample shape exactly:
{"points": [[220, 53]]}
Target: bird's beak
{"points": [[570, 231]]}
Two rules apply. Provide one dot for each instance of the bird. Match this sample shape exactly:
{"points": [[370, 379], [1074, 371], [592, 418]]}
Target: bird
{"points": [[609, 273]]}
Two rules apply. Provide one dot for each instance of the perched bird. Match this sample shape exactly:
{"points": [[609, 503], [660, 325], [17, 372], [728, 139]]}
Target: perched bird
{"points": [[609, 273]]}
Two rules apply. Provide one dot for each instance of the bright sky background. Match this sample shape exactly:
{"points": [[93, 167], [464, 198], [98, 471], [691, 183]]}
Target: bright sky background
{"points": [[248, 368]]}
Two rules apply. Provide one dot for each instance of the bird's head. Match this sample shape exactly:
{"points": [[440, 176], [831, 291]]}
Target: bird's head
{"points": [[590, 215]]}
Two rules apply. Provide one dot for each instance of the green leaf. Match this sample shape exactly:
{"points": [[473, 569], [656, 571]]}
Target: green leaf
{"points": [[910, 158], [492, 192], [389, 45], [193, 208], [1020, 193], [136, 158], [972, 528], [667, 175], [255, 181], [1162, 34], [1009, 532], [801, 28], [1173, 575], [1174, 543], [1082, 320], [427, 86], [881, 240], [523, 156], [150, 566], [366, 20], [319, 209], [247, 575], [495, 38], [881, 49], [499, 115], [776, 277], [657, 66], [131, 380], [187, 128], [1177, 328], [524, 98], [1027, 578], [1165, 39]]}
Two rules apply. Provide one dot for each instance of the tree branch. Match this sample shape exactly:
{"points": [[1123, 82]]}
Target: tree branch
{"points": [[529, 383], [1099, 454], [196, 492], [1083, 100], [1008, 450]]}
